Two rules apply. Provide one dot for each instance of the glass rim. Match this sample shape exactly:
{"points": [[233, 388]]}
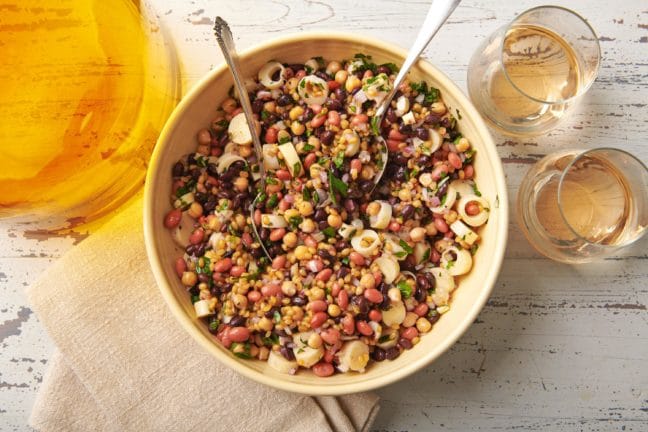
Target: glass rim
{"points": [[581, 90], [564, 173]]}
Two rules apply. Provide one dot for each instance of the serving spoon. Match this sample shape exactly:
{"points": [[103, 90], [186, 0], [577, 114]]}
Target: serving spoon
{"points": [[437, 15], [226, 43]]}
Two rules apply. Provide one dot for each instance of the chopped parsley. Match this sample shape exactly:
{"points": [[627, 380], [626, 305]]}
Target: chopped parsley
{"points": [[345, 261], [473, 249], [205, 268], [306, 194], [272, 201], [363, 62], [188, 187], [284, 139], [405, 246], [276, 316], [338, 160], [383, 339], [431, 94], [337, 185], [241, 350], [329, 232], [375, 127], [295, 221], [426, 255], [213, 325], [391, 66], [273, 339], [265, 115], [308, 147], [405, 289], [296, 169], [476, 190]]}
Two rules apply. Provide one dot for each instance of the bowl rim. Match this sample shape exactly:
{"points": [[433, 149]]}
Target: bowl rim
{"points": [[188, 323]]}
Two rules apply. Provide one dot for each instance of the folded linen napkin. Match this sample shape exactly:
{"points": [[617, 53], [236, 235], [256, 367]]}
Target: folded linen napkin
{"points": [[125, 364]]}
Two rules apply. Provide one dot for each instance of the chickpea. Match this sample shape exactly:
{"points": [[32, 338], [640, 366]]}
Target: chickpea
{"points": [[334, 220], [265, 324], [302, 253], [305, 208], [308, 226], [425, 179], [404, 195], [288, 288], [296, 112], [394, 294], [430, 229], [438, 108], [417, 234], [245, 151], [334, 310], [195, 210], [352, 83], [240, 301], [297, 128], [270, 106], [189, 278], [367, 281], [341, 76], [314, 141], [333, 67], [315, 341], [241, 184], [204, 137], [317, 293], [462, 145], [373, 208], [290, 240], [423, 325]]}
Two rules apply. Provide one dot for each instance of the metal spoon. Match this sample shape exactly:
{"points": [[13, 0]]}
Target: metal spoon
{"points": [[439, 12], [226, 43]]}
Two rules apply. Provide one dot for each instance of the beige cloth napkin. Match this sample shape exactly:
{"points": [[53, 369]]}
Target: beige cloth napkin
{"points": [[126, 365]]}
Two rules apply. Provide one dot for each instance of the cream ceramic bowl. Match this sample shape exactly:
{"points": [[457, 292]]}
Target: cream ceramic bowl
{"points": [[178, 138]]}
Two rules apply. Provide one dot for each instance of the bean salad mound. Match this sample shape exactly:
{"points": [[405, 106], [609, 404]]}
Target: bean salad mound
{"points": [[357, 274]]}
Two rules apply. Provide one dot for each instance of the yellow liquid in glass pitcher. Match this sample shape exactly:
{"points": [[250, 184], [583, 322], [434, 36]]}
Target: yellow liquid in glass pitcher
{"points": [[85, 88]]}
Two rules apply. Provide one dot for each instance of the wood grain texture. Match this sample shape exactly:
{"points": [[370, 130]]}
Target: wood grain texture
{"points": [[557, 348]]}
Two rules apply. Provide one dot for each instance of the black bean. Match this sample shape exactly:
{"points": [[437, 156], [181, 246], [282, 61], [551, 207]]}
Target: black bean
{"points": [[432, 119], [423, 160], [405, 343], [342, 244], [446, 123], [362, 303], [384, 69], [443, 189], [392, 200], [407, 212], [433, 316], [453, 134], [340, 94], [257, 252], [320, 215], [391, 116], [378, 354], [287, 353], [213, 325], [226, 287], [296, 67], [323, 75], [322, 225], [342, 272], [420, 294], [399, 159], [350, 205], [422, 282], [333, 105], [405, 129], [285, 100], [430, 279], [223, 139], [299, 300], [257, 105], [409, 263], [178, 169], [271, 312], [264, 233], [202, 277], [201, 197], [354, 191], [422, 133], [275, 249], [308, 115], [325, 254], [326, 138], [392, 353], [366, 185], [191, 159], [210, 204], [237, 321], [195, 173]]}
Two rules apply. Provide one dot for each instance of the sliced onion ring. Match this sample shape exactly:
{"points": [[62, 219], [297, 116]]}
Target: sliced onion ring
{"points": [[268, 71], [313, 90], [459, 266], [366, 235]]}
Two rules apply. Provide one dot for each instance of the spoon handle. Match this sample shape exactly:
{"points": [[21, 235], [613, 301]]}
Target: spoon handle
{"points": [[226, 43], [439, 12]]}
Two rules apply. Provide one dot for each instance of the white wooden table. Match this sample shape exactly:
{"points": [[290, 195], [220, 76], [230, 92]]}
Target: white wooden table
{"points": [[557, 348]]}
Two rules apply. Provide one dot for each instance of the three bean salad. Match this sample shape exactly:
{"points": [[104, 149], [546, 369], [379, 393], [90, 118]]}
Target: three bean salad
{"points": [[357, 274]]}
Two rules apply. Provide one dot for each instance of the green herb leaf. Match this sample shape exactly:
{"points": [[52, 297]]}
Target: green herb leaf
{"points": [[264, 115], [401, 254], [473, 249], [296, 169], [306, 194], [392, 67], [213, 325], [295, 221], [284, 139], [243, 353], [338, 160], [405, 246], [405, 289], [337, 185], [476, 191], [432, 95], [273, 339], [276, 317], [271, 180], [426, 255], [458, 113], [195, 298], [316, 197], [272, 201], [345, 261], [308, 147], [329, 232], [383, 339], [375, 127], [188, 187], [224, 205]]}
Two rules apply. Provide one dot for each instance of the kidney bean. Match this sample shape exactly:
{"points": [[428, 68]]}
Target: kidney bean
{"points": [[375, 315], [310, 241], [238, 334], [359, 119], [394, 145], [317, 306], [272, 289], [180, 266], [285, 100], [469, 171], [323, 369], [441, 225], [472, 208], [373, 295], [283, 174], [421, 309], [271, 135], [396, 135], [455, 160], [277, 234], [223, 265], [318, 120], [309, 160], [237, 271], [315, 265], [364, 328], [407, 211], [172, 218], [344, 270], [438, 171], [405, 343], [284, 205], [254, 296], [326, 137], [197, 236], [335, 290], [279, 262], [449, 235], [348, 324], [333, 118], [409, 333], [330, 336], [356, 258], [324, 275], [343, 299], [223, 336], [318, 319]]}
